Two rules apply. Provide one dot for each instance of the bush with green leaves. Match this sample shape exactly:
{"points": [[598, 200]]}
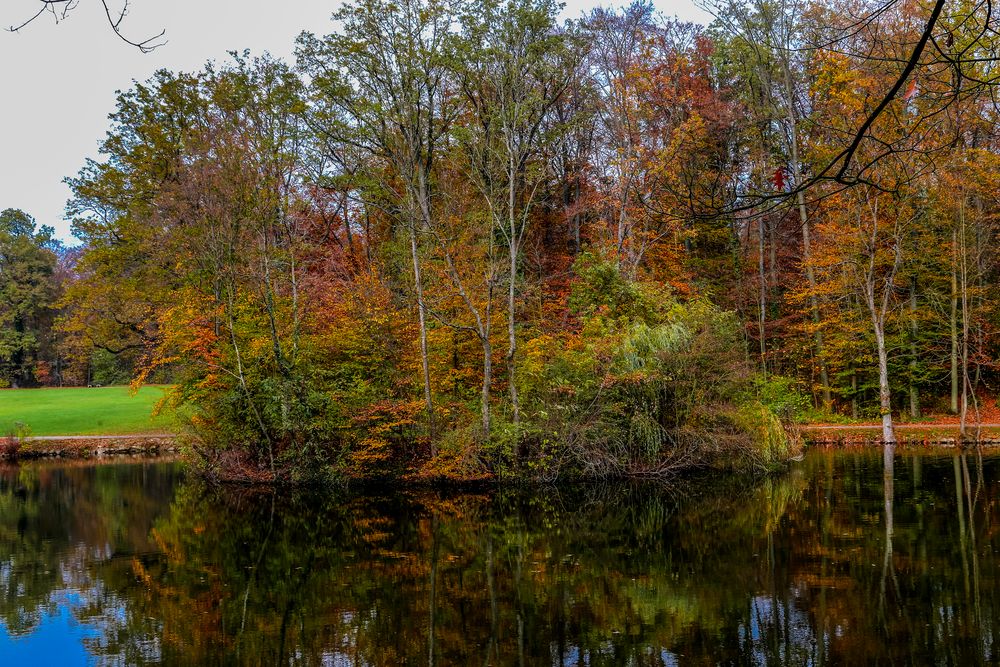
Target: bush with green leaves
{"points": [[782, 395], [649, 385]]}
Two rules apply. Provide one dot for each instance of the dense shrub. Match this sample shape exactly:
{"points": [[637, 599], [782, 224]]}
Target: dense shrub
{"points": [[649, 385], [782, 395]]}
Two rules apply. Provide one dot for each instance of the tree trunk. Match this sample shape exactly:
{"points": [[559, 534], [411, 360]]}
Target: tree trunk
{"points": [[954, 321], [576, 217], [762, 314], [772, 264], [963, 293], [914, 390], [884, 392], [854, 393], [514, 248], [483, 330], [422, 196], [424, 359], [487, 381], [345, 207]]}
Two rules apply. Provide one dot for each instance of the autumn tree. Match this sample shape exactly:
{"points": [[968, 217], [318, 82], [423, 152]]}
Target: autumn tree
{"points": [[381, 82], [513, 68]]}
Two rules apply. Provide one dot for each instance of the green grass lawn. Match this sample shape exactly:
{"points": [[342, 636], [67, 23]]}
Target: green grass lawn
{"points": [[82, 411]]}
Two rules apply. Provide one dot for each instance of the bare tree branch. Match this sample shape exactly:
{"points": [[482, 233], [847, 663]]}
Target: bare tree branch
{"points": [[114, 20]]}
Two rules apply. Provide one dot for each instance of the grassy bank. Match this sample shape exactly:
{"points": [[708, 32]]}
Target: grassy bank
{"points": [[81, 411]]}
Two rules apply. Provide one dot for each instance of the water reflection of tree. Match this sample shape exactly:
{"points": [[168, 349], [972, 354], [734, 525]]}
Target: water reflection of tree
{"points": [[842, 561], [427, 578], [59, 523]]}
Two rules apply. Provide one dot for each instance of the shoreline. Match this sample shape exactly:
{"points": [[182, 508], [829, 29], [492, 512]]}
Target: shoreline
{"points": [[935, 434], [87, 446]]}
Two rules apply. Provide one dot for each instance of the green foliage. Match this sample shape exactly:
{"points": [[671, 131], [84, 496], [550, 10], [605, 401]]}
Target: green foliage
{"points": [[769, 445], [600, 285], [647, 387], [107, 369], [27, 295], [782, 395]]}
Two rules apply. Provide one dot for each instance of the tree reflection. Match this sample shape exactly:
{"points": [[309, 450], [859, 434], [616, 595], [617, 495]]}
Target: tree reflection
{"points": [[844, 560]]}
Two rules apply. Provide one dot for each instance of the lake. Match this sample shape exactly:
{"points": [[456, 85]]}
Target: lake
{"points": [[833, 562]]}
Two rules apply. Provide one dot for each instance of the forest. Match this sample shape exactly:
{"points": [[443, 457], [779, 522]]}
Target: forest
{"points": [[471, 240]]}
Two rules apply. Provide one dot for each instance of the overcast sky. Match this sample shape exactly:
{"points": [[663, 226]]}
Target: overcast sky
{"points": [[58, 82]]}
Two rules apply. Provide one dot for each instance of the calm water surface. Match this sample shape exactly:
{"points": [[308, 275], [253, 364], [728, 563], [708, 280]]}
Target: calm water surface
{"points": [[831, 563]]}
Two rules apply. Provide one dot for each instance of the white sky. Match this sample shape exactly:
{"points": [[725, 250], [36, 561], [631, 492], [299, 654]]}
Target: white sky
{"points": [[58, 82]]}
